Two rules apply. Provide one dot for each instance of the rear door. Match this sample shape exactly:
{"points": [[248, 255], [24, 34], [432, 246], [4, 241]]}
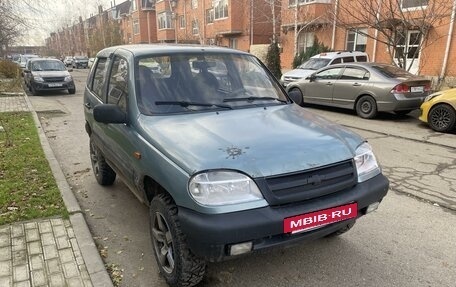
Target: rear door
{"points": [[320, 89], [352, 82]]}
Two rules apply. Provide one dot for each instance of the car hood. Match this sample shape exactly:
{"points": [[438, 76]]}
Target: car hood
{"points": [[259, 141], [50, 73], [298, 73]]}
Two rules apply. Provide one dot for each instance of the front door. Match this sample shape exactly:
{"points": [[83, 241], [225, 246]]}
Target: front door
{"points": [[350, 84], [319, 90]]}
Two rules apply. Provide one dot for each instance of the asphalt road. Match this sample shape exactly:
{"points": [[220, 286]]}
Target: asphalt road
{"points": [[409, 241]]}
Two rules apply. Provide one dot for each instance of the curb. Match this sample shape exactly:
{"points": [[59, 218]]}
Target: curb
{"points": [[95, 266]]}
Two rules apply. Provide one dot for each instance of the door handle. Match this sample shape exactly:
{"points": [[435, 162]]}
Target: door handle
{"points": [[88, 105], [356, 85]]}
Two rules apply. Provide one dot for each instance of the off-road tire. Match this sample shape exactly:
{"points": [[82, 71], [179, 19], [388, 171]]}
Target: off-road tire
{"points": [[166, 235], [366, 107], [104, 174], [442, 118], [72, 91]]}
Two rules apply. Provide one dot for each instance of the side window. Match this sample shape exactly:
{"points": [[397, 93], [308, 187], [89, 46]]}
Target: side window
{"points": [[355, 74], [361, 58], [329, 74], [99, 78], [118, 83], [348, 59], [336, 61]]}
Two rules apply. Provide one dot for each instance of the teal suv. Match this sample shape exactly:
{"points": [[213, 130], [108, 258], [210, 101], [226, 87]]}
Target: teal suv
{"points": [[226, 161]]}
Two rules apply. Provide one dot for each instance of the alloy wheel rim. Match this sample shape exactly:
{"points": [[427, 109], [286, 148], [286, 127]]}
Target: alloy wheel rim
{"points": [[440, 118], [163, 243]]}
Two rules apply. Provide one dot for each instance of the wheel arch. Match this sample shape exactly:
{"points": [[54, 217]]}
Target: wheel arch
{"points": [[362, 95], [152, 188]]}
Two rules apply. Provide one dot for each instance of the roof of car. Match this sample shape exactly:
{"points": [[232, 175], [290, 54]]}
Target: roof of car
{"points": [[144, 49], [332, 55]]}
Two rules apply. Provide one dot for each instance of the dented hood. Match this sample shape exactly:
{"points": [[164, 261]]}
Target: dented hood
{"points": [[257, 141]]}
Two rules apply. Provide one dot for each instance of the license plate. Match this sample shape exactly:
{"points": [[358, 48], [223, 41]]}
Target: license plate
{"points": [[54, 85], [319, 218], [418, 89]]}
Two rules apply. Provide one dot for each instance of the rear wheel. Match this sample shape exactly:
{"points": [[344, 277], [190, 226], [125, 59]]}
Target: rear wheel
{"points": [[366, 107], [298, 91], [175, 261], [104, 174], [442, 118]]}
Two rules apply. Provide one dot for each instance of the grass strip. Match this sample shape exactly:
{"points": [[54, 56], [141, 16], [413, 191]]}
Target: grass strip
{"points": [[27, 186]]}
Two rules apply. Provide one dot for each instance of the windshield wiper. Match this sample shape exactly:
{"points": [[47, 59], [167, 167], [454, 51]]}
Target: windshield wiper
{"points": [[186, 104], [251, 99]]}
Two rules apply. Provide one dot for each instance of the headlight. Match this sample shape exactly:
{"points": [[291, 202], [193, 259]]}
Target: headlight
{"points": [[223, 187], [431, 96], [366, 164], [38, 79], [68, 79]]}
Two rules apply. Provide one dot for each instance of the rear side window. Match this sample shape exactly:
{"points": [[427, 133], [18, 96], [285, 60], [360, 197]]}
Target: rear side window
{"points": [[361, 58], [391, 71], [336, 61], [99, 78], [355, 74], [348, 59]]}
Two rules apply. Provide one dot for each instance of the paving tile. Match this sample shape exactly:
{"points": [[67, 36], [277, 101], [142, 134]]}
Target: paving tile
{"points": [[5, 239], [39, 278], [34, 248], [6, 281], [62, 242], [18, 243], [74, 282], [5, 253], [47, 239], [32, 235], [70, 270], [30, 225], [6, 269], [20, 273], [17, 230], [50, 251], [66, 255], [37, 262], [45, 227], [22, 284], [56, 280], [19, 257], [59, 231], [53, 266]]}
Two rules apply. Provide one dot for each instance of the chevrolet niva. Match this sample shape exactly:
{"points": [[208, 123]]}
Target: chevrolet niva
{"points": [[226, 161]]}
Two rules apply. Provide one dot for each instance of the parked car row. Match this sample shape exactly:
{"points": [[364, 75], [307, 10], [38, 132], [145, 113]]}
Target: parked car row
{"points": [[369, 88], [76, 62]]}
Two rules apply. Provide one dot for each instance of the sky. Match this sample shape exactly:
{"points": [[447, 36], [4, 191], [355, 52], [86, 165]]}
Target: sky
{"points": [[46, 16]]}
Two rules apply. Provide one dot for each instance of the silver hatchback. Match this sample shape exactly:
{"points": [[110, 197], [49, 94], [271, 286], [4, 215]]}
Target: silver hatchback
{"points": [[368, 88]]}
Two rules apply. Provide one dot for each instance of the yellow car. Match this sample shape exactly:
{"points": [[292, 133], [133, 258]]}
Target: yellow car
{"points": [[439, 110]]}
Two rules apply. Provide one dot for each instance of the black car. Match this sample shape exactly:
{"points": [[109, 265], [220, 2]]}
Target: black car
{"points": [[80, 62], [48, 75]]}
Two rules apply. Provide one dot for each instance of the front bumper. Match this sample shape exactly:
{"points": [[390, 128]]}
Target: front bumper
{"points": [[53, 86], [209, 236]]}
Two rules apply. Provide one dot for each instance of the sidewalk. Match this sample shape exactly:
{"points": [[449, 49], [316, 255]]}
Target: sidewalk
{"points": [[49, 251]]}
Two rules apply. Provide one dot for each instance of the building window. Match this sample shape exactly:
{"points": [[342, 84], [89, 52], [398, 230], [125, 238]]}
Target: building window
{"points": [[410, 4], [133, 6], [409, 43], [165, 20], [292, 3], [233, 43], [305, 41], [194, 4], [220, 9], [136, 27], [195, 29], [147, 4], [210, 16], [182, 21], [356, 40]]}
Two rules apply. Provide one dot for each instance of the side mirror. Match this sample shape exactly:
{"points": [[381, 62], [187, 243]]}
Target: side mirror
{"points": [[312, 77], [296, 96], [26, 71], [109, 114]]}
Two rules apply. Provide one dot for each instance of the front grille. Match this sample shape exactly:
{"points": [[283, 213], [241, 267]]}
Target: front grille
{"points": [[311, 184], [54, 79]]}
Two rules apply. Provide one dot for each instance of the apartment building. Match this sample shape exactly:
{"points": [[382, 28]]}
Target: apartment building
{"points": [[231, 23], [139, 23], [419, 30]]}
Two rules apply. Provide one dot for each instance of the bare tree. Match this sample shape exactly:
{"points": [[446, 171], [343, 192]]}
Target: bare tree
{"points": [[392, 22]]}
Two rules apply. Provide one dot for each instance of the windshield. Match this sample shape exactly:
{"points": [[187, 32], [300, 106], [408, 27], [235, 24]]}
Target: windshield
{"points": [[47, 66], [314, 64], [203, 81], [391, 71]]}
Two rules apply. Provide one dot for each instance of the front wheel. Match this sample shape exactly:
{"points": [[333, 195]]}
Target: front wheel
{"points": [[175, 261], [104, 174], [442, 118], [366, 107], [72, 91]]}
